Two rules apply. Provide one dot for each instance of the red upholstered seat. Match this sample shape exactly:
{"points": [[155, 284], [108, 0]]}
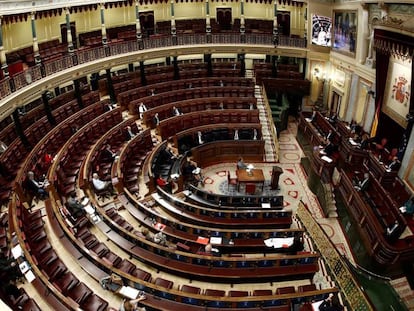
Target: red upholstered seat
{"points": [[215, 292], [141, 274], [126, 266], [79, 293], [94, 303], [190, 289], [164, 283], [66, 282]]}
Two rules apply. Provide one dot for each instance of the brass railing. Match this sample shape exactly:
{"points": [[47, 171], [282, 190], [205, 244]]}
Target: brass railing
{"points": [[81, 56], [347, 283]]}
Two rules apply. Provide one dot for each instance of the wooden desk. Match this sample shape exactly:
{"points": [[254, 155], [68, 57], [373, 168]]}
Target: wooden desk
{"points": [[255, 177]]}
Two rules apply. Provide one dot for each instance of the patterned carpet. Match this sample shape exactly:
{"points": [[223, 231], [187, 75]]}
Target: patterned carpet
{"points": [[292, 185]]}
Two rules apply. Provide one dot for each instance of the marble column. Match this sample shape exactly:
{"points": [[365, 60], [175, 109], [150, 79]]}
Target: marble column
{"points": [[138, 26], [208, 22], [103, 27], [173, 28], [242, 21], [35, 43], [69, 32]]}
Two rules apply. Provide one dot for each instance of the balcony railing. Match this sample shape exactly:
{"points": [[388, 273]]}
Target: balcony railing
{"points": [[85, 55]]}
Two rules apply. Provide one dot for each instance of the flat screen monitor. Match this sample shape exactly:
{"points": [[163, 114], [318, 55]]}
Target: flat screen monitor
{"points": [[321, 30]]}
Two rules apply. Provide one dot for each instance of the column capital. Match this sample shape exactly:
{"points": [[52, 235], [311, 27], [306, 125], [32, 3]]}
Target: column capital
{"points": [[364, 6]]}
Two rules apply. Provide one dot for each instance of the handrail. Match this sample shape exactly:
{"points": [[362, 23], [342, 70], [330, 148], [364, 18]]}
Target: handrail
{"points": [[88, 60], [343, 276]]}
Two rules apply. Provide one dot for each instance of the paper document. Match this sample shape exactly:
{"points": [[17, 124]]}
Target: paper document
{"points": [[130, 292], [216, 240], [279, 242]]}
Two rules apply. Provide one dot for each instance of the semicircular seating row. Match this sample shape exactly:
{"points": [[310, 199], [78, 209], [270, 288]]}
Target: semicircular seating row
{"points": [[97, 257]]}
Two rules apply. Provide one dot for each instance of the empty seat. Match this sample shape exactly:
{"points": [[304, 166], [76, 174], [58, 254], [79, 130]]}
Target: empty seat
{"points": [[164, 283], [79, 293]]}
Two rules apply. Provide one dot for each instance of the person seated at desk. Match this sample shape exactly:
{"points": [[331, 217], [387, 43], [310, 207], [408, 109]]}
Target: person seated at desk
{"points": [[408, 207], [210, 250], [111, 282], [156, 119], [333, 118], [141, 109], [330, 136], [240, 164], [108, 153], [101, 185], [362, 185], [198, 177], [313, 116], [37, 188], [75, 207], [163, 183], [331, 304], [169, 154], [394, 165], [159, 237], [330, 149], [129, 134], [188, 167], [391, 229], [3, 147], [364, 143], [175, 111], [380, 147], [133, 305]]}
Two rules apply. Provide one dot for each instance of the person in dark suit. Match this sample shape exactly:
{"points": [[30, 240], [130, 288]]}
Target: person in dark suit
{"points": [[330, 135], [156, 119], [362, 185], [330, 148], [108, 153], [331, 304], [129, 134], [395, 164], [35, 187], [175, 111], [74, 206], [364, 142]]}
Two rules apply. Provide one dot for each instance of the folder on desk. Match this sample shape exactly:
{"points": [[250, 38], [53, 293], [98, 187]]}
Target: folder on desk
{"points": [[128, 291], [89, 209], [216, 240], [29, 275], [266, 205], [326, 159], [202, 240], [17, 251], [159, 226]]}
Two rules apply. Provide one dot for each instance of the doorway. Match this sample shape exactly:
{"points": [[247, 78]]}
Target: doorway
{"points": [[335, 103], [64, 33], [224, 18], [147, 22], [283, 22]]}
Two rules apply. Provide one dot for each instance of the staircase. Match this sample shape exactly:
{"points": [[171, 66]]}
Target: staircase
{"points": [[271, 150]]}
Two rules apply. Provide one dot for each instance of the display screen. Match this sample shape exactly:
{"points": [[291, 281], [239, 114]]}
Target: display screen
{"points": [[321, 30]]}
